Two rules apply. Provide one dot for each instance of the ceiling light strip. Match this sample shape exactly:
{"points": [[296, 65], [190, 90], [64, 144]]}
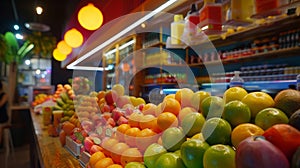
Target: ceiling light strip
{"points": [[121, 33]]}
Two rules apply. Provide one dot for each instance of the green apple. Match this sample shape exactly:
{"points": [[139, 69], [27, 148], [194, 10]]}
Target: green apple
{"points": [[134, 165], [219, 156], [169, 160], [152, 153], [192, 152], [172, 138]]}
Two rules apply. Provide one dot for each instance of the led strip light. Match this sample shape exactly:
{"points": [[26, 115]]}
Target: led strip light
{"points": [[116, 37]]}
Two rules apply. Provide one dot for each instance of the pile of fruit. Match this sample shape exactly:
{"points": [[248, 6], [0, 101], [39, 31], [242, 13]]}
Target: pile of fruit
{"points": [[187, 129], [40, 98]]}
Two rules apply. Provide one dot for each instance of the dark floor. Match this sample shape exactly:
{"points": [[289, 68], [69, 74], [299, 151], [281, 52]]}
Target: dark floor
{"points": [[20, 159]]}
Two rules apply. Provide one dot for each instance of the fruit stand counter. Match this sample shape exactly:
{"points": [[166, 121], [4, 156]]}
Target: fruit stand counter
{"points": [[46, 151]]}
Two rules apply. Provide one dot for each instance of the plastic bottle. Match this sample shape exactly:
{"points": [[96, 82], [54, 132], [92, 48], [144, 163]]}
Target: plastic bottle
{"points": [[298, 82], [236, 80], [177, 28], [191, 22]]}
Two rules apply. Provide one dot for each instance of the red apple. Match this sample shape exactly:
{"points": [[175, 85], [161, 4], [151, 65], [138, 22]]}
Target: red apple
{"points": [[95, 148], [117, 113], [256, 151], [88, 143], [111, 97], [285, 137]]}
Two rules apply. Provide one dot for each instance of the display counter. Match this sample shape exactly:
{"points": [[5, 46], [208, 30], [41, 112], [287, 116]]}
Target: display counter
{"points": [[47, 151]]}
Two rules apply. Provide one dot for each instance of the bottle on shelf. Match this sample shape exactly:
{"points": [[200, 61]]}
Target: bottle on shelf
{"points": [[298, 82], [177, 28], [236, 80], [191, 22]]}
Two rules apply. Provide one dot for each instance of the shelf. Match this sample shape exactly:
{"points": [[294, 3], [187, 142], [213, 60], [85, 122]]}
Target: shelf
{"points": [[257, 29], [257, 85], [158, 84], [279, 9], [155, 44], [277, 53], [163, 65]]}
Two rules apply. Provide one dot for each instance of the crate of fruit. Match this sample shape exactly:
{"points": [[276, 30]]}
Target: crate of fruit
{"points": [[73, 147]]}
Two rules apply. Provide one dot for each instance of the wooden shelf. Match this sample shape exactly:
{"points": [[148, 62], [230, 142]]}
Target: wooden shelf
{"points": [[277, 53]]}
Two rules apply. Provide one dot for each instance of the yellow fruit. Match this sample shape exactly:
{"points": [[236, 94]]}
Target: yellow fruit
{"points": [[119, 89], [258, 101], [184, 97], [95, 157], [197, 99], [244, 131], [234, 93]]}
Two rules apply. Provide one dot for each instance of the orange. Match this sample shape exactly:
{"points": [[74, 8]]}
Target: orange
{"points": [[149, 108], [148, 121], [121, 131], [170, 96], [107, 144], [145, 138], [184, 97], [95, 157], [258, 101], [171, 105], [183, 112], [117, 150], [103, 163], [131, 155], [134, 119], [101, 94], [166, 120], [115, 166], [130, 135], [243, 131]]}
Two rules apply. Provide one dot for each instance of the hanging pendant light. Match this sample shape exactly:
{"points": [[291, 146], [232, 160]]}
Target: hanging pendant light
{"points": [[58, 55], [90, 17], [64, 48], [73, 38]]}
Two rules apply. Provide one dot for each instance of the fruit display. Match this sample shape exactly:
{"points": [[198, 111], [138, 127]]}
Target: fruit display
{"points": [[239, 130], [63, 97], [41, 98]]}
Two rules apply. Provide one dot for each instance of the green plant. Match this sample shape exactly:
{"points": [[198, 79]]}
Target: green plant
{"points": [[11, 52]]}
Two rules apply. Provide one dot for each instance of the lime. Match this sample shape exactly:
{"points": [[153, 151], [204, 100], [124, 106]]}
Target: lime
{"points": [[236, 112], [192, 123], [212, 106], [219, 156], [192, 152], [172, 138], [270, 116], [152, 153], [169, 160], [216, 131]]}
